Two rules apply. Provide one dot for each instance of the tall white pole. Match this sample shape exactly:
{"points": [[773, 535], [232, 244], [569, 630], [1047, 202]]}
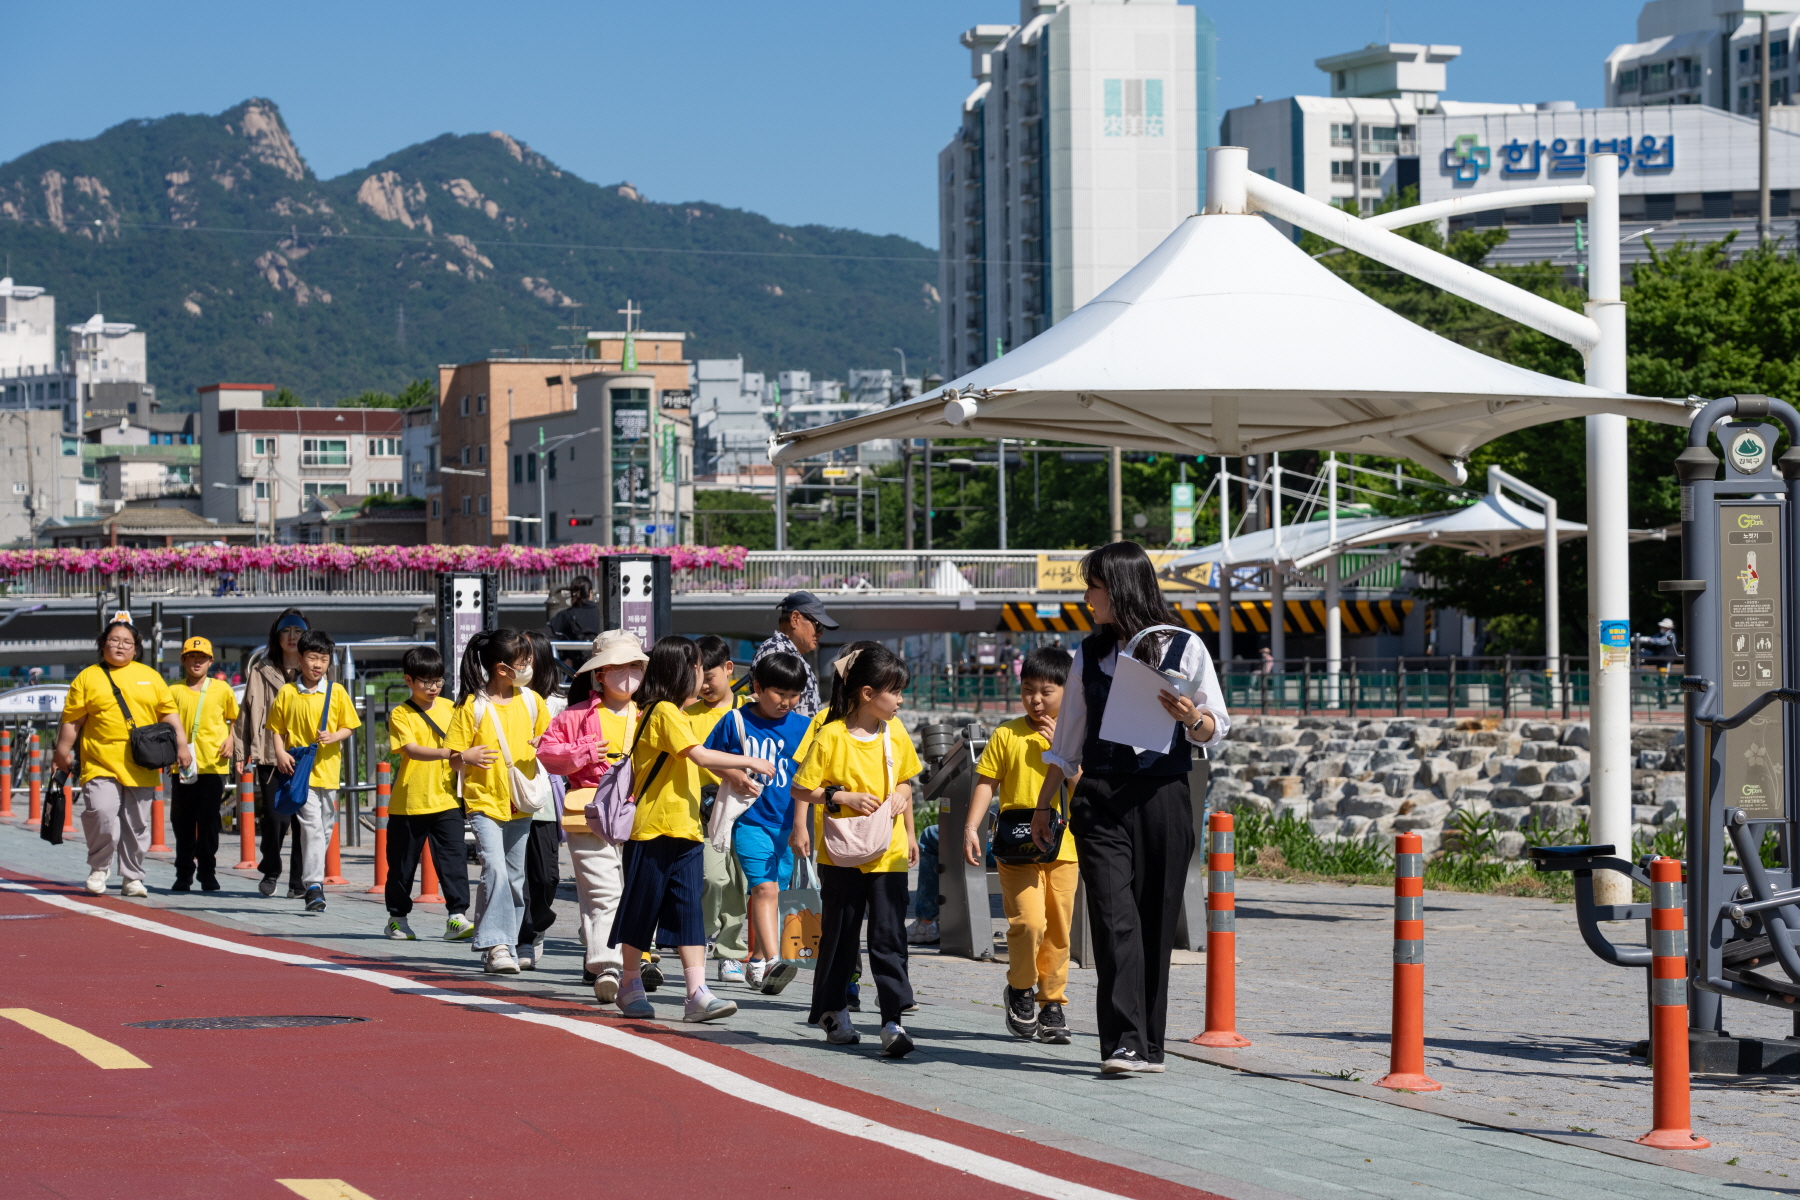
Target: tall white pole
{"points": [[1277, 583], [1334, 620], [1225, 647], [1609, 573], [1000, 467], [1116, 489]]}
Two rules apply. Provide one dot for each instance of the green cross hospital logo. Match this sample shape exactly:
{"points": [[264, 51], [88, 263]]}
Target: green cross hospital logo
{"points": [[1465, 161], [1748, 450]]}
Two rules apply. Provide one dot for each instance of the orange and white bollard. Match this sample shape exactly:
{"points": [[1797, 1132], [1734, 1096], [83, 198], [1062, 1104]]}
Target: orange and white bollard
{"points": [[246, 821], [6, 809], [428, 879], [68, 790], [34, 783], [384, 788], [334, 865], [1669, 1013], [1221, 935], [1406, 1054], [165, 784]]}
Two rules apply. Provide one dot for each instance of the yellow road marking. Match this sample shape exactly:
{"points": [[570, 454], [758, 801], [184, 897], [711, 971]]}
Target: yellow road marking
{"points": [[101, 1053], [323, 1189]]}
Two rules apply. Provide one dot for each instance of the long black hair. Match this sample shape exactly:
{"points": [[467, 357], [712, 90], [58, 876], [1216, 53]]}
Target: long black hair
{"points": [[546, 669], [1124, 570], [137, 639], [274, 650], [875, 667], [669, 675], [485, 652], [581, 590], [837, 678]]}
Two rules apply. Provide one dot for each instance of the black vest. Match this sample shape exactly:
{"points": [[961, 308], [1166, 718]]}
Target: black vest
{"points": [[1111, 758]]}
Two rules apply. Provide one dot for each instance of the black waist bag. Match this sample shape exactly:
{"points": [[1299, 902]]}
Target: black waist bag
{"points": [[153, 745], [1013, 843]]}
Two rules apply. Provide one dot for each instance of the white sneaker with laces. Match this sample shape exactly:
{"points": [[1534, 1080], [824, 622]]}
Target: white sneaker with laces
{"points": [[135, 889], [922, 933], [838, 1029], [754, 971], [96, 883], [729, 970], [500, 961]]}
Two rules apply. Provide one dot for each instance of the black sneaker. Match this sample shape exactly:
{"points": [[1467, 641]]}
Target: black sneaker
{"points": [[267, 885], [853, 993], [182, 885], [1128, 1062], [210, 885], [1053, 1029], [1021, 1011], [652, 976], [315, 898], [589, 979], [295, 891]]}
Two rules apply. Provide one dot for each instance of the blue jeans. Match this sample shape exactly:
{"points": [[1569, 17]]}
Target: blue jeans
{"points": [[502, 879], [925, 900]]}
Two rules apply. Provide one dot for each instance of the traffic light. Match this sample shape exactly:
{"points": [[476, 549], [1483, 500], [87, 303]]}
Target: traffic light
{"points": [[575, 520]]}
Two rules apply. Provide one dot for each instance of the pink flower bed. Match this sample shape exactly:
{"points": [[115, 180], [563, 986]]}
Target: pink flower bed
{"points": [[338, 559]]}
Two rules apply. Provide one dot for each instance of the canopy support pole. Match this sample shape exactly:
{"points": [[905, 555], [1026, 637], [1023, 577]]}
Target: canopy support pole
{"points": [[1115, 487], [781, 506], [1609, 566], [1334, 632], [1552, 573]]}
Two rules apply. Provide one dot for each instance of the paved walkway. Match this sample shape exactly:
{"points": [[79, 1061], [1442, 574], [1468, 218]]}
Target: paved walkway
{"points": [[1232, 1132]]}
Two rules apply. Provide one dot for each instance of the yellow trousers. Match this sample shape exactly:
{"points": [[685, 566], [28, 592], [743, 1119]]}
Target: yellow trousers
{"points": [[1039, 899]]}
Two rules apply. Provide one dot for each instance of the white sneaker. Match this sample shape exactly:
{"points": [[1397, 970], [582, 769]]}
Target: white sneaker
{"points": [[729, 970], [527, 956], [754, 971], [922, 933], [838, 1029], [96, 883], [500, 961], [399, 931], [135, 889], [894, 1041]]}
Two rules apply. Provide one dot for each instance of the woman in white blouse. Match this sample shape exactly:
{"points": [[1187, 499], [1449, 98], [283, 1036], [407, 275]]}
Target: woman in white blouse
{"points": [[1131, 814]]}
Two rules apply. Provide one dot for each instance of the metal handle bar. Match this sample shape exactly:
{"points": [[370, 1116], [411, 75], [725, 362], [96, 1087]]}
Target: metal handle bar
{"points": [[1785, 695], [1583, 861]]}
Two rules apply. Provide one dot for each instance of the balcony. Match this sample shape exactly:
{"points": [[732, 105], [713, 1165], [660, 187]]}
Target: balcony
{"points": [[1408, 146]]}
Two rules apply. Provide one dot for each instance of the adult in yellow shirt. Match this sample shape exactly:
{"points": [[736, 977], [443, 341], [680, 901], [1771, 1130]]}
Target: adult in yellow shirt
{"points": [[423, 806], [664, 868], [299, 718], [860, 763], [498, 708], [725, 903], [1039, 898], [208, 708], [115, 791]]}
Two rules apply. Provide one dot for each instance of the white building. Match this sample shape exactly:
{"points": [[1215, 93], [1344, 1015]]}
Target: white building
{"points": [[419, 449], [40, 473], [263, 464], [1705, 52], [1077, 153], [112, 367], [32, 374]]}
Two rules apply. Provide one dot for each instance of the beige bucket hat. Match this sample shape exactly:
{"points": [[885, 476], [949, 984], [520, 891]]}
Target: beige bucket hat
{"points": [[614, 648]]}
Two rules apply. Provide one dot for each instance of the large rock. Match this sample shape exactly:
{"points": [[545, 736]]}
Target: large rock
{"points": [[1533, 750], [1325, 767], [1392, 756], [1471, 794], [1564, 793], [1656, 737], [1671, 787], [1515, 797], [1471, 757], [1287, 757], [1357, 762], [1509, 845], [1451, 782], [1339, 745], [1297, 809], [1576, 734], [1646, 814], [1283, 787], [1237, 754], [1354, 826], [1502, 769], [1555, 816], [1222, 785], [1246, 802], [1325, 827], [1433, 769], [1325, 806], [1540, 731], [1425, 816], [1463, 802], [1427, 738], [1332, 788], [1531, 771], [1398, 782], [1560, 753]]}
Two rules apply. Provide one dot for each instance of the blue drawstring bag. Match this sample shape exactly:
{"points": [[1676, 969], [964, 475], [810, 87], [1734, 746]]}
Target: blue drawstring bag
{"points": [[290, 797]]}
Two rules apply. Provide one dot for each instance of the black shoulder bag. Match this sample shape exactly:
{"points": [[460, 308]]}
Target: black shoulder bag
{"points": [[425, 717], [152, 745], [1013, 843]]}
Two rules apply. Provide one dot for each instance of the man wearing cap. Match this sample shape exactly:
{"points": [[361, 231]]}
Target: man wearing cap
{"points": [[802, 616], [207, 708], [1660, 646]]}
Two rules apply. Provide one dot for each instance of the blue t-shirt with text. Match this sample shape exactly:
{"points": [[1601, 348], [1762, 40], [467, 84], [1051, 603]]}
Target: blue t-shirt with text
{"points": [[776, 741]]}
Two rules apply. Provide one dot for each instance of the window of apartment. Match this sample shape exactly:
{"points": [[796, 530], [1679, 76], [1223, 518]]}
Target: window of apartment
{"points": [[18, 489], [465, 406], [1371, 169], [550, 467], [262, 489], [324, 452], [481, 504], [1628, 80], [384, 487], [262, 447], [324, 487], [481, 402], [465, 456], [1343, 170], [1343, 135], [518, 468], [418, 470], [466, 503], [436, 509], [481, 455], [384, 447], [530, 468]]}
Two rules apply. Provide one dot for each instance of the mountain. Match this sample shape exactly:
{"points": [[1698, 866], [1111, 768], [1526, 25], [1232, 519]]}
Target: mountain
{"points": [[213, 235]]}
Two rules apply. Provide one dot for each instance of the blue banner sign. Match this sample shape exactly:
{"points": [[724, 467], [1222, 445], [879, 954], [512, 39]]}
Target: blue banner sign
{"points": [[1466, 161]]}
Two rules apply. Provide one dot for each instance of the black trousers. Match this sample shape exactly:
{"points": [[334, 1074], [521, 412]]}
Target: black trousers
{"points": [[542, 874], [846, 896], [1135, 836], [194, 811], [271, 830], [406, 845]]}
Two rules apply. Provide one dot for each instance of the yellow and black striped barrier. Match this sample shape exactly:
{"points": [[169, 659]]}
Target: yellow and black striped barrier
{"points": [[1361, 617]]}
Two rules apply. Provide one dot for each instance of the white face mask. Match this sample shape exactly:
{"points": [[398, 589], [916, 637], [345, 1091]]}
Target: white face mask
{"points": [[522, 676]]}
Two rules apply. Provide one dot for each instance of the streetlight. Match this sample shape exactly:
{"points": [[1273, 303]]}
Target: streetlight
{"points": [[539, 452], [902, 354]]}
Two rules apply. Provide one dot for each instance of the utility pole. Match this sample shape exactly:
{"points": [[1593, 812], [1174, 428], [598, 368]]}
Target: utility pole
{"points": [[928, 513], [1118, 495], [1762, 137], [1000, 475]]}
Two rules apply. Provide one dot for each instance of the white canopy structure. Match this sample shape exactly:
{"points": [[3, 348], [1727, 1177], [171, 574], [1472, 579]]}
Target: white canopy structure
{"points": [[1228, 339]]}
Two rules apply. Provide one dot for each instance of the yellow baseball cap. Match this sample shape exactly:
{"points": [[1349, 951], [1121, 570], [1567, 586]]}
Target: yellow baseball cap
{"points": [[197, 645]]}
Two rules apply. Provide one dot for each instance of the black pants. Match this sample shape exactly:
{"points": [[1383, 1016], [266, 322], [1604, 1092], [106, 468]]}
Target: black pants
{"points": [[406, 844], [194, 811], [272, 829], [541, 877], [847, 895], [1135, 836]]}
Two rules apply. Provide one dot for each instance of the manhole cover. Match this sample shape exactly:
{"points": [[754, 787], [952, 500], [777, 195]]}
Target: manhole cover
{"points": [[242, 1022]]}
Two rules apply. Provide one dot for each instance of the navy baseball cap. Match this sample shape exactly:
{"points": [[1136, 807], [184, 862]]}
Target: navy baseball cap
{"points": [[808, 605]]}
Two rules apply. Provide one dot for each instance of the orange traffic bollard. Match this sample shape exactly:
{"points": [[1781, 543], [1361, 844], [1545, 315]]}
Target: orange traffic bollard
{"points": [[1221, 935], [334, 866], [164, 784], [384, 774], [428, 881], [1669, 1013], [1406, 1054], [34, 783], [246, 821], [6, 773]]}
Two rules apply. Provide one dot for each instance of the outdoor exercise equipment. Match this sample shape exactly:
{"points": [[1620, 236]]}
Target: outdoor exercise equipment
{"points": [[1740, 547], [1221, 936]]}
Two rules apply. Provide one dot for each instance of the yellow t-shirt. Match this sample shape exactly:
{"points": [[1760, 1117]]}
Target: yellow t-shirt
{"points": [[806, 739], [1014, 759], [425, 785], [208, 739], [488, 790], [670, 806], [617, 729], [105, 737], [839, 756], [702, 718], [294, 717]]}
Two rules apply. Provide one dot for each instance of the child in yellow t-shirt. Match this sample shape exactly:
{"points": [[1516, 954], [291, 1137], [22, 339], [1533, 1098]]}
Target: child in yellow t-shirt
{"points": [[725, 904], [1039, 897], [424, 807], [859, 764], [207, 707], [294, 721]]}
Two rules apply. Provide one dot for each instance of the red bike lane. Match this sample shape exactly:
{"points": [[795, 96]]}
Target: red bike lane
{"points": [[426, 1096]]}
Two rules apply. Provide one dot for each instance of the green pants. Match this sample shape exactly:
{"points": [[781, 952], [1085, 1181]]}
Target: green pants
{"points": [[725, 904]]}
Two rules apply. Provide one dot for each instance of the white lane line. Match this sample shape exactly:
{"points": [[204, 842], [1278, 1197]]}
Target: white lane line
{"points": [[741, 1087]]}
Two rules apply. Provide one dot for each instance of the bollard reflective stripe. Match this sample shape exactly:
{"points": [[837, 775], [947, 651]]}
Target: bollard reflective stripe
{"points": [[1409, 908], [384, 775], [1406, 1053], [1221, 881], [247, 821], [1411, 951], [1221, 935], [1672, 1113], [1221, 920]]}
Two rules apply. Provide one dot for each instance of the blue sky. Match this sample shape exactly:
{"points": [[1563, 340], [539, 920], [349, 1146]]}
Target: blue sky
{"points": [[804, 110]]}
